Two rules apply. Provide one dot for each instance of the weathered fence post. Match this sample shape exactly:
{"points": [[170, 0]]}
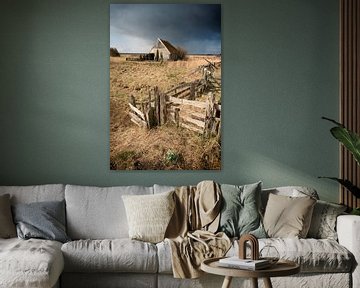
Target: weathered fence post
{"points": [[162, 109], [209, 115], [192, 91], [177, 117], [157, 104]]}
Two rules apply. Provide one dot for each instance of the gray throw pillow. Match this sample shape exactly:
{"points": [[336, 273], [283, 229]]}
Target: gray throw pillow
{"points": [[7, 227], [323, 222], [44, 220], [240, 213]]}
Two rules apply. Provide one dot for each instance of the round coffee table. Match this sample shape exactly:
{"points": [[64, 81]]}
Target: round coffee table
{"points": [[281, 268]]}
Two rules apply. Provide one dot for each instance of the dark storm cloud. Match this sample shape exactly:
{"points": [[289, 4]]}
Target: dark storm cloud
{"points": [[196, 27]]}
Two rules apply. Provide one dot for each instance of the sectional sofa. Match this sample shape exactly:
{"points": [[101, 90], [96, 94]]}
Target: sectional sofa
{"points": [[100, 253]]}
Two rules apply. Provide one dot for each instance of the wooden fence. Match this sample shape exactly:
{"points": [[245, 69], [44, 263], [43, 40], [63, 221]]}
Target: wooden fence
{"points": [[161, 108]]}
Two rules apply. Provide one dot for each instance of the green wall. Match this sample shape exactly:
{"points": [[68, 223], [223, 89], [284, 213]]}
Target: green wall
{"points": [[280, 75]]}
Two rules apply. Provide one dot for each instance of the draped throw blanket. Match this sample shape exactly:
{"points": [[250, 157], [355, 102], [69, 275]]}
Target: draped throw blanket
{"points": [[191, 231]]}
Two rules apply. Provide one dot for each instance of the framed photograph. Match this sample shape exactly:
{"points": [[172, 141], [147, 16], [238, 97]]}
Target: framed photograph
{"points": [[165, 86]]}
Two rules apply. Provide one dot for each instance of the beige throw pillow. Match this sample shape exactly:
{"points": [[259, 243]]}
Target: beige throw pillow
{"points": [[288, 217], [7, 226], [149, 215]]}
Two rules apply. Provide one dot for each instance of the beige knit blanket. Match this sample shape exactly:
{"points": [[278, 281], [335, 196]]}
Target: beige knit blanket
{"points": [[191, 231]]}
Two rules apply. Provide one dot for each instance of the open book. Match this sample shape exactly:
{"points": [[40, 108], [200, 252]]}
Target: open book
{"points": [[236, 262]]}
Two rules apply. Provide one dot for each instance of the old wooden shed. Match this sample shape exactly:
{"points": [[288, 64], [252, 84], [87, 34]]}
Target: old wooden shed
{"points": [[164, 50]]}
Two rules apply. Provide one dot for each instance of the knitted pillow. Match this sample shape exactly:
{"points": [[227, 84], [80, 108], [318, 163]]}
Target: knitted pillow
{"points": [[149, 215]]}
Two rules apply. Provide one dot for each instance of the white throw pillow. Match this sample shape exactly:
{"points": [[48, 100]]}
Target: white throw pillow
{"points": [[149, 215]]}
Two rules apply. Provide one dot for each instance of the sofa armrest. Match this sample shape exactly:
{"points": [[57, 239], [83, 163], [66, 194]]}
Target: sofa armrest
{"points": [[348, 230]]}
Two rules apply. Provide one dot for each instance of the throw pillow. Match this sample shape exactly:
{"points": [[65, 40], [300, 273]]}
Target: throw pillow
{"points": [[323, 222], [288, 217], [44, 220], [7, 226], [240, 210], [149, 215]]}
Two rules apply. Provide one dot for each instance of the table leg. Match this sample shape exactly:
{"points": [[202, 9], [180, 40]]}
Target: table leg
{"points": [[267, 283], [227, 282], [254, 282]]}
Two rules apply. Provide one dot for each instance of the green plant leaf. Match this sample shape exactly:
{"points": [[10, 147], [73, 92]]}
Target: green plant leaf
{"points": [[347, 184], [348, 138]]}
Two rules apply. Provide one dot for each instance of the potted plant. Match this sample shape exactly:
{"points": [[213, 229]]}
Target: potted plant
{"points": [[351, 141]]}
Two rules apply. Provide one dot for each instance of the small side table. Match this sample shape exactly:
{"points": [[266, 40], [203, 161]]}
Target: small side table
{"points": [[281, 268]]}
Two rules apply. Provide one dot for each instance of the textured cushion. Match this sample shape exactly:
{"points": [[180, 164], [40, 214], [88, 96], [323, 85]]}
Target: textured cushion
{"points": [[117, 255], [313, 255], [287, 216], [323, 222], [149, 215], [7, 227], [36, 193], [30, 263], [98, 213], [240, 210], [44, 220]]}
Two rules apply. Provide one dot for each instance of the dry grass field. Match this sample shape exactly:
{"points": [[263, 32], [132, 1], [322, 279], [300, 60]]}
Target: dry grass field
{"points": [[164, 147]]}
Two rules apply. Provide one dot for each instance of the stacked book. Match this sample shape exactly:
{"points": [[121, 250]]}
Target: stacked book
{"points": [[248, 264]]}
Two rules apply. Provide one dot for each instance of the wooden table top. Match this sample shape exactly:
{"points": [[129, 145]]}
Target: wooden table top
{"points": [[281, 268]]}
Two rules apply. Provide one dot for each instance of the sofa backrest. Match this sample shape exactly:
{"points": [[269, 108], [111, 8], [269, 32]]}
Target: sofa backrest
{"points": [[98, 212], [36, 193]]}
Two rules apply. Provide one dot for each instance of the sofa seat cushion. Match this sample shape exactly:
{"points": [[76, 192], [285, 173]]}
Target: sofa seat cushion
{"points": [[115, 255], [30, 263], [313, 255]]}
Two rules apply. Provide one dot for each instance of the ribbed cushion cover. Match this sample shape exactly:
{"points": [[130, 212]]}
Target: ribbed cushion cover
{"points": [[116, 255], [149, 215]]}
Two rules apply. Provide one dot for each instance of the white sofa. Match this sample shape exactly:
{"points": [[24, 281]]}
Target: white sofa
{"points": [[101, 254]]}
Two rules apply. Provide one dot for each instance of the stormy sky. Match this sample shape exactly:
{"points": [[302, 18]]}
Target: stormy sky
{"points": [[195, 27]]}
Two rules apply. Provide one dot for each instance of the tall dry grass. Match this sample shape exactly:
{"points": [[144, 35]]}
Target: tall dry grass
{"points": [[166, 147]]}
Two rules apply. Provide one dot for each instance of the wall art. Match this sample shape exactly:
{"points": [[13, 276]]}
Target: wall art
{"points": [[165, 86]]}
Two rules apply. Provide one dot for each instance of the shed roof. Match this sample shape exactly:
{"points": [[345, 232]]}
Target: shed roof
{"points": [[168, 46]]}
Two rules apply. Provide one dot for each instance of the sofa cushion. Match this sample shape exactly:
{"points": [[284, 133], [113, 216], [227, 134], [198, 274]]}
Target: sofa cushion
{"points": [[116, 255], [240, 210], [313, 255], [98, 213], [149, 215], [7, 226], [36, 193], [30, 263], [323, 222], [287, 216], [43, 220]]}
